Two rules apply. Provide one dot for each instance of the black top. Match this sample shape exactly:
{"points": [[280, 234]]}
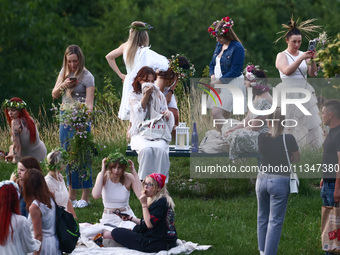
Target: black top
{"points": [[330, 159], [273, 152], [163, 221]]}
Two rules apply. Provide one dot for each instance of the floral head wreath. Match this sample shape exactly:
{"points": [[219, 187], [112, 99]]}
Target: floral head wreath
{"points": [[255, 82], [138, 28], [181, 72], [116, 157], [228, 23], [16, 105], [305, 27], [64, 158], [11, 183]]}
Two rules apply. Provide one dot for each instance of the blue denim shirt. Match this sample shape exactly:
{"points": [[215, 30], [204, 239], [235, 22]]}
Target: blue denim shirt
{"points": [[232, 60]]}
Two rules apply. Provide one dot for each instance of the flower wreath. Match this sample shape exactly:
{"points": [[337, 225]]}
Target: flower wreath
{"points": [[11, 183], [180, 71], [137, 28], [64, 160], [116, 157], [225, 28], [249, 73], [16, 105]]}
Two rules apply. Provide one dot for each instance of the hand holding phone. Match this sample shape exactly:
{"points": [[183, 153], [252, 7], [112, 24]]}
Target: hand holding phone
{"points": [[312, 45], [73, 78]]}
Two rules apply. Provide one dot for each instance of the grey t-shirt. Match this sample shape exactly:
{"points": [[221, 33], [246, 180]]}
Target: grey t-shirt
{"points": [[79, 92]]}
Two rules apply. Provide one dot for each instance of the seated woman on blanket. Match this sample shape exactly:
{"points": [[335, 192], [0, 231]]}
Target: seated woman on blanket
{"points": [[243, 136], [156, 230], [114, 185], [148, 102]]}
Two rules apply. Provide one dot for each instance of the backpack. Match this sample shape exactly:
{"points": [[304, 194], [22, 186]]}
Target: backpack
{"points": [[67, 229]]}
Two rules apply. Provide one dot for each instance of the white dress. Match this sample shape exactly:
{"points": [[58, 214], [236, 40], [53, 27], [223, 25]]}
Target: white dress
{"points": [[308, 132], [153, 156], [143, 57], [58, 188], [23, 241], [225, 94], [50, 242], [115, 195]]}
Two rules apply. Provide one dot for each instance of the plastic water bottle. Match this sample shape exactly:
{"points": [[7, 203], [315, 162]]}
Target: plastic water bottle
{"points": [[194, 139]]}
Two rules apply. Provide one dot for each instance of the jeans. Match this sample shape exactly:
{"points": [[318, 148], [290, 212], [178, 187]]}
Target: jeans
{"points": [[272, 193], [327, 195]]}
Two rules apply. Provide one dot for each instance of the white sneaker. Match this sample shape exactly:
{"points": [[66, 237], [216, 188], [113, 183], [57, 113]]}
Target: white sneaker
{"points": [[74, 203], [82, 203]]}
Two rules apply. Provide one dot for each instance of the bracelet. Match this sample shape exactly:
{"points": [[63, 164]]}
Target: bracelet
{"points": [[145, 206], [170, 90]]}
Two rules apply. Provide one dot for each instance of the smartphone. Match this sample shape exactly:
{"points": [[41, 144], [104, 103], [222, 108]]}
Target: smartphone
{"points": [[312, 45], [73, 78], [123, 214]]}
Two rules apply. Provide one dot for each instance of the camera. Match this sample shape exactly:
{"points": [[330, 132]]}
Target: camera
{"points": [[312, 45]]}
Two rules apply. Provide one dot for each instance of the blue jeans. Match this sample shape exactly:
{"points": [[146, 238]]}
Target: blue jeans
{"points": [[272, 192], [327, 195]]}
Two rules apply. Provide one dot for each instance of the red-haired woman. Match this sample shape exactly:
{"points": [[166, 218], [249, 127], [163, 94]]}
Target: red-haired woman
{"points": [[15, 234], [25, 135], [148, 102], [42, 212]]}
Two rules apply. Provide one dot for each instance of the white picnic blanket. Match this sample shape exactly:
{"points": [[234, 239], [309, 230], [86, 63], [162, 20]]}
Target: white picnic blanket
{"points": [[88, 247]]}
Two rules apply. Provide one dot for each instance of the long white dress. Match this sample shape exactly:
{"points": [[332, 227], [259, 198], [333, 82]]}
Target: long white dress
{"points": [[23, 241], [115, 195], [308, 132], [143, 57], [153, 156], [50, 242]]}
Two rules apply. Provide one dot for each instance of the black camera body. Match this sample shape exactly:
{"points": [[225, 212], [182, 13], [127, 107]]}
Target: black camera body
{"points": [[312, 45]]}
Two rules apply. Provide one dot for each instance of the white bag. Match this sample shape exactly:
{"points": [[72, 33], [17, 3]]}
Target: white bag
{"points": [[155, 129], [294, 180]]}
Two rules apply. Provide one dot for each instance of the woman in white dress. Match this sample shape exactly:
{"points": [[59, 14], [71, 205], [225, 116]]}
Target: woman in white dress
{"points": [[55, 180], [225, 67], [113, 184], [136, 54], [149, 104], [42, 212], [293, 66], [243, 136], [15, 235]]}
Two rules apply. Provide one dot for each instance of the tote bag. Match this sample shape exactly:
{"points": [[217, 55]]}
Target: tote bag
{"points": [[155, 129], [330, 228]]}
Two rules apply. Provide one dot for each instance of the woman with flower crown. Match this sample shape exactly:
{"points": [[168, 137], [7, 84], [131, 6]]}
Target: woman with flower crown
{"points": [[15, 235], [136, 54], [180, 68], [293, 66], [148, 102], [243, 136], [114, 184], [25, 135], [225, 67]]}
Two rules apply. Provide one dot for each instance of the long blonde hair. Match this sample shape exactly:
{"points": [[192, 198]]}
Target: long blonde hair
{"points": [[275, 126], [73, 49], [137, 38], [163, 192]]}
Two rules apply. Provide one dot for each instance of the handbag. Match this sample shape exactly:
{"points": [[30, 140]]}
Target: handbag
{"points": [[155, 129], [330, 228], [67, 229], [294, 180]]}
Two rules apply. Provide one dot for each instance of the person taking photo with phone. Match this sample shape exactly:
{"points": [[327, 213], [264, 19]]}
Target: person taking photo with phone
{"points": [[293, 66]]}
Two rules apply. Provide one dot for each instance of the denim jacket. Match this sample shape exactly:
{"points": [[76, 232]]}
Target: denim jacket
{"points": [[232, 60]]}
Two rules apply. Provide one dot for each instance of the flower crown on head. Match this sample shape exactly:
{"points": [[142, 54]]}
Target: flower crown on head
{"points": [[11, 183], [116, 157], [16, 105], [138, 28], [255, 82], [64, 159], [181, 72], [228, 23]]}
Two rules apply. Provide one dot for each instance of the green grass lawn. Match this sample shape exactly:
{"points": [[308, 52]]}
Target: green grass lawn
{"points": [[222, 212]]}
